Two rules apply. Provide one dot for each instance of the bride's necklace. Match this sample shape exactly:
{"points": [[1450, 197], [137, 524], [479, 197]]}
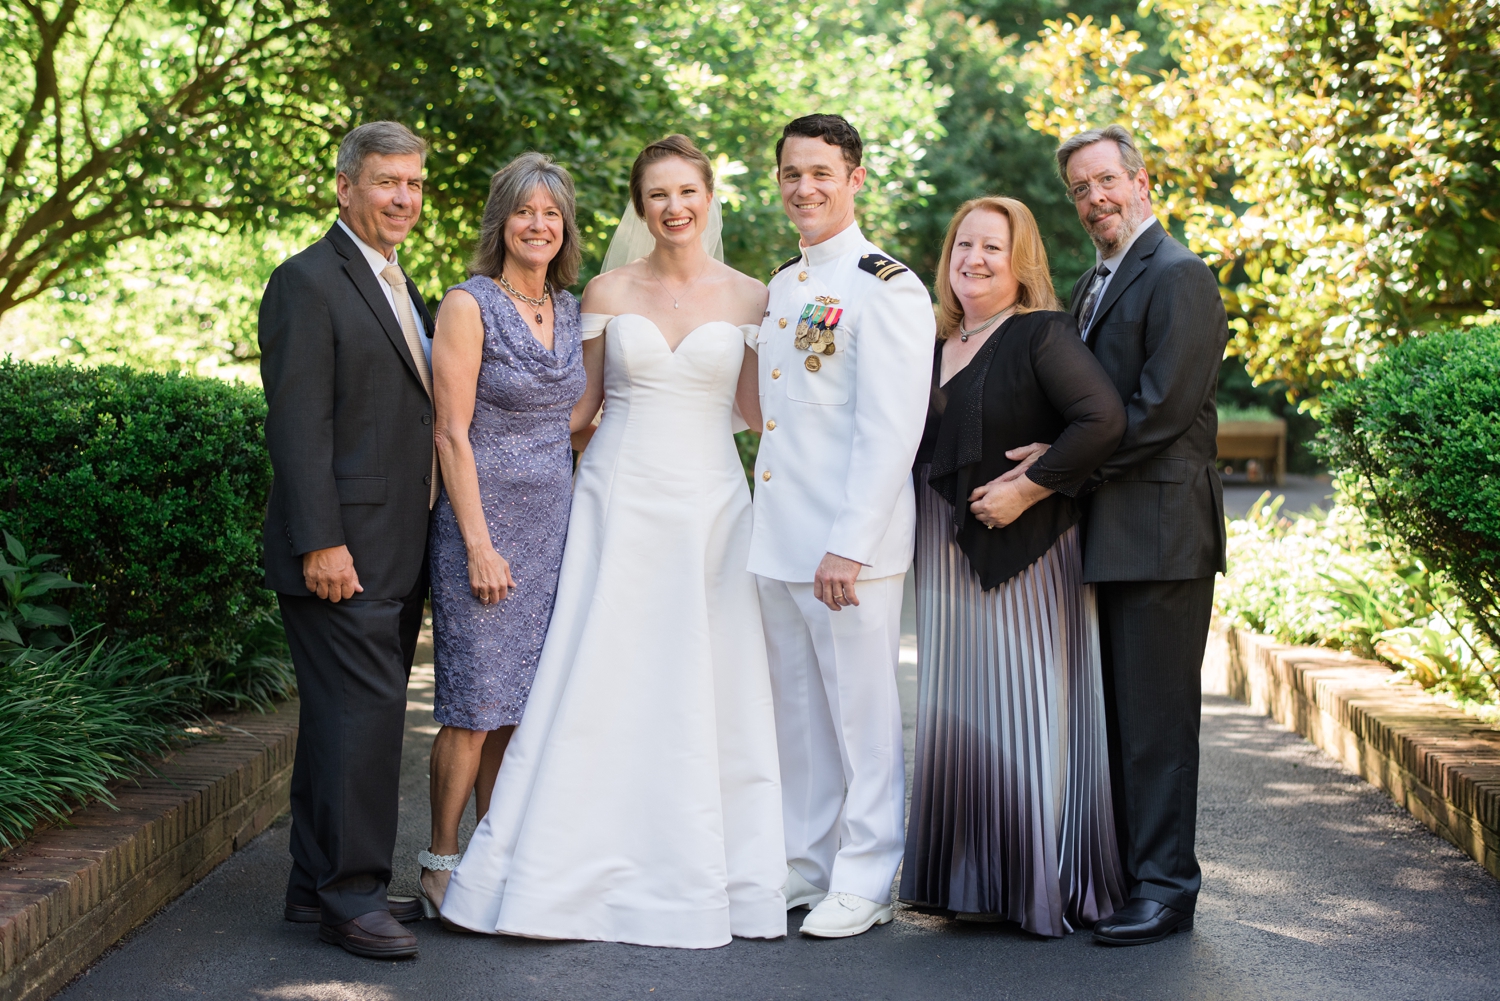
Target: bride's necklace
{"points": [[675, 301], [964, 333], [535, 303]]}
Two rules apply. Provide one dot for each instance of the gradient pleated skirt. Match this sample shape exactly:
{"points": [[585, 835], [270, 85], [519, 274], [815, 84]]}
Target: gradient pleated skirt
{"points": [[1010, 810]]}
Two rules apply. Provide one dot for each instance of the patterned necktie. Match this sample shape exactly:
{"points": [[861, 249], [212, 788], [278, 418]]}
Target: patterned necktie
{"points": [[397, 281], [1091, 301]]}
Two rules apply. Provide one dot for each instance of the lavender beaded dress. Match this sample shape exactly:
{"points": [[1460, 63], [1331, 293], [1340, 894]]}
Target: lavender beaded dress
{"points": [[485, 656]]}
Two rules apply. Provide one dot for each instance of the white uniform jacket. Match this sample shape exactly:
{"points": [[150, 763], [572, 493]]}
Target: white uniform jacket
{"points": [[841, 426]]}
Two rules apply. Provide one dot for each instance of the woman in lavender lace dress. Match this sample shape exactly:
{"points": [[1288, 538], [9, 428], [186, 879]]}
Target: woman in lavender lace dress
{"points": [[508, 372]]}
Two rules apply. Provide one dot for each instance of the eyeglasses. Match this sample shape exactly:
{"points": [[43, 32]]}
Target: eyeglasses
{"points": [[1105, 182]]}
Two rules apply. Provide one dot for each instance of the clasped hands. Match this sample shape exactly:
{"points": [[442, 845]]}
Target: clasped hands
{"points": [[1006, 497]]}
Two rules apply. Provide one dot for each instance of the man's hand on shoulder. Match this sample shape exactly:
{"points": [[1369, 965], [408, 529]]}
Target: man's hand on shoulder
{"points": [[329, 573], [833, 584]]}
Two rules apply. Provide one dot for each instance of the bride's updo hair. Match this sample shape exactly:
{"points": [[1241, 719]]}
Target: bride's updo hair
{"points": [[677, 145]]}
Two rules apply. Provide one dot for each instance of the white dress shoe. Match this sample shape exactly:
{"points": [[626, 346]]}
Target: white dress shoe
{"points": [[799, 892], [842, 915]]}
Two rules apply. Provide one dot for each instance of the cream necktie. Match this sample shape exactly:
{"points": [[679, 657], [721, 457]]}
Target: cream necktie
{"points": [[397, 281]]}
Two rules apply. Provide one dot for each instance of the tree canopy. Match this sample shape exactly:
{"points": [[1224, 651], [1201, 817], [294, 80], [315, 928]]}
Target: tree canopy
{"points": [[122, 118], [1333, 159]]}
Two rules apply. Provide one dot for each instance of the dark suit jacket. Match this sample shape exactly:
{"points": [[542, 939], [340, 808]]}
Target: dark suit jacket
{"points": [[1032, 381], [1156, 511], [349, 425]]}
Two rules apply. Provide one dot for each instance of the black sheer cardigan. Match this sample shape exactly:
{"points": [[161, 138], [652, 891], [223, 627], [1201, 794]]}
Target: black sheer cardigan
{"points": [[1033, 381]]}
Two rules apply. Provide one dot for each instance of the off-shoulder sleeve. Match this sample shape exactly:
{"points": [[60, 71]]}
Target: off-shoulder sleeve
{"points": [[752, 334], [593, 324]]}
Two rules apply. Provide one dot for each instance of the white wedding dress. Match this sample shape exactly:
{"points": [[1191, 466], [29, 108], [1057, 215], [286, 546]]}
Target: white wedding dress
{"points": [[640, 797]]}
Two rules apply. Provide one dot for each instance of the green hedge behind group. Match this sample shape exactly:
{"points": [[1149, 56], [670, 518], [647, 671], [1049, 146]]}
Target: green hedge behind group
{"points": [[152, 488]]}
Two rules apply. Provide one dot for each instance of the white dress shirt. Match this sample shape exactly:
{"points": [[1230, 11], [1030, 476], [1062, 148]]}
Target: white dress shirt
{"points": [[378, 264]]}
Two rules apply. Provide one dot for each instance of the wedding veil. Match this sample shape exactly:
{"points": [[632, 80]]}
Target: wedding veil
{"points": [[633, 240]]}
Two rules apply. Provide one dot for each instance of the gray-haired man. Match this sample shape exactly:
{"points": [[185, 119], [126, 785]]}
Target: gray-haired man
{"points": [[1150, 311], [349, 429]]}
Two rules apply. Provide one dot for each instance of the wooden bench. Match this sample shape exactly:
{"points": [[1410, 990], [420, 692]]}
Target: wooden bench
{"points": [[1263, 441]]}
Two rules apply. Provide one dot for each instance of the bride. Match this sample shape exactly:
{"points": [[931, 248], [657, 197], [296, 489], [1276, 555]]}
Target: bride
{"points": [[640, 798]]}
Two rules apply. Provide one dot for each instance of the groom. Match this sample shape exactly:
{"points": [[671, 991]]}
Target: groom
{"points": [[845, 354]]}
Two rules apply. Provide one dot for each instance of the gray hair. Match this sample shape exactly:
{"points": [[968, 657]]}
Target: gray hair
{"points": [[378, 139], [1130, 154], [510, 189]]}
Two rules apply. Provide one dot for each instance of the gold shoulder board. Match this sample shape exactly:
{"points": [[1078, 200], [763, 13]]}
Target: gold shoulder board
{"points": [[881, 266], [778, 269]]}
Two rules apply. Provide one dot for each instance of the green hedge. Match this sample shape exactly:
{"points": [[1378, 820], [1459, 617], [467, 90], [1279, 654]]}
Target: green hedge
{"points": [[153, 489], [1421, 429]]}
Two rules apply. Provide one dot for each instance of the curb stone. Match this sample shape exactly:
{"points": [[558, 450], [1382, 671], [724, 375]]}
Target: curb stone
{"points": [[1439, 763], [72, 890]]}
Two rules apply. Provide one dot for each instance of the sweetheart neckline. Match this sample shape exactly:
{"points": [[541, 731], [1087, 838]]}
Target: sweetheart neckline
{"points": [[663, 334]]}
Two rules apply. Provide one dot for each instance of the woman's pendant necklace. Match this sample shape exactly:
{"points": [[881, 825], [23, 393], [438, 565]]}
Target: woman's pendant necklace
{"points": [[534, 303], [964, 334], [675, 303]]}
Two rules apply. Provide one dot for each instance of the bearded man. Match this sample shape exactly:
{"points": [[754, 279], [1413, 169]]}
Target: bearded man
{"points": [[1150, 311]]}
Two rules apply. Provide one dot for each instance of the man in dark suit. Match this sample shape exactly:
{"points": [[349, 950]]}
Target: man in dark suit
{"points": [[349, 429], [1154, 534]]}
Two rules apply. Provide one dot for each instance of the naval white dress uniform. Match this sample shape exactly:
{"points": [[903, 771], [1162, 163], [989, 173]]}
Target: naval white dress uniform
{"points": [[843, 414]]}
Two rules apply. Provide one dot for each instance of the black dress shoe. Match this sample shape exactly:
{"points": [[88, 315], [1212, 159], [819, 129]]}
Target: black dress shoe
{"points": [[1141, 922], [376, 935], [403, 909]]}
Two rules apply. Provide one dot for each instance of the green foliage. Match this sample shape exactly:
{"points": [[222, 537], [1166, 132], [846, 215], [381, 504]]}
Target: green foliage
{"points": [[79, 716], [177, 302], [741, 71], [1421, 433], [486, 80], [153, 487], [120, 119], [1336, 159], [27, 618], [1330, 580]]}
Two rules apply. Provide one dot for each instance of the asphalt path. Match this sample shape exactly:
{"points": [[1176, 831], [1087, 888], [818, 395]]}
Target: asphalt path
{"points": [[1300, 495], [1316, 886]]}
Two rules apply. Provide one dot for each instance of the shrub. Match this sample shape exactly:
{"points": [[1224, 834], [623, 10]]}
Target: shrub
{"points": [[1420, 430], [1329, 580], [77, 717], [153, 488]]}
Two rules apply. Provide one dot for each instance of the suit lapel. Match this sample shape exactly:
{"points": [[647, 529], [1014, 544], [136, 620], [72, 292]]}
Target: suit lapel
{"points": [[1130, 269], [364, 279]]}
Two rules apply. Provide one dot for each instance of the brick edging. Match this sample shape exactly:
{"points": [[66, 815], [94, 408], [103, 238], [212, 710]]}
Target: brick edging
{"points": [[73, 890], [1438, 762]]}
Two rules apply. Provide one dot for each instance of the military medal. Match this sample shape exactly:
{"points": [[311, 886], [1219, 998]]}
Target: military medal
{"points": [[815, 327]]}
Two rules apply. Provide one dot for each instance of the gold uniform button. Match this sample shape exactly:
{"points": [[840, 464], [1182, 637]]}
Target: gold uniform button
{"points": [[766, 475], [802, 276], [770, 425], [813, 363], [776, 373], [781, 323]]}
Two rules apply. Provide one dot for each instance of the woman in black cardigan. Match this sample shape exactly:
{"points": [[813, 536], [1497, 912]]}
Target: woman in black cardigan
{"points": [[1010, 813]]}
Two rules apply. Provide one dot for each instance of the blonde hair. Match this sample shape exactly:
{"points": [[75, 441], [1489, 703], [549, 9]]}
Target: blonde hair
{"points": [[1028, 262]]}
